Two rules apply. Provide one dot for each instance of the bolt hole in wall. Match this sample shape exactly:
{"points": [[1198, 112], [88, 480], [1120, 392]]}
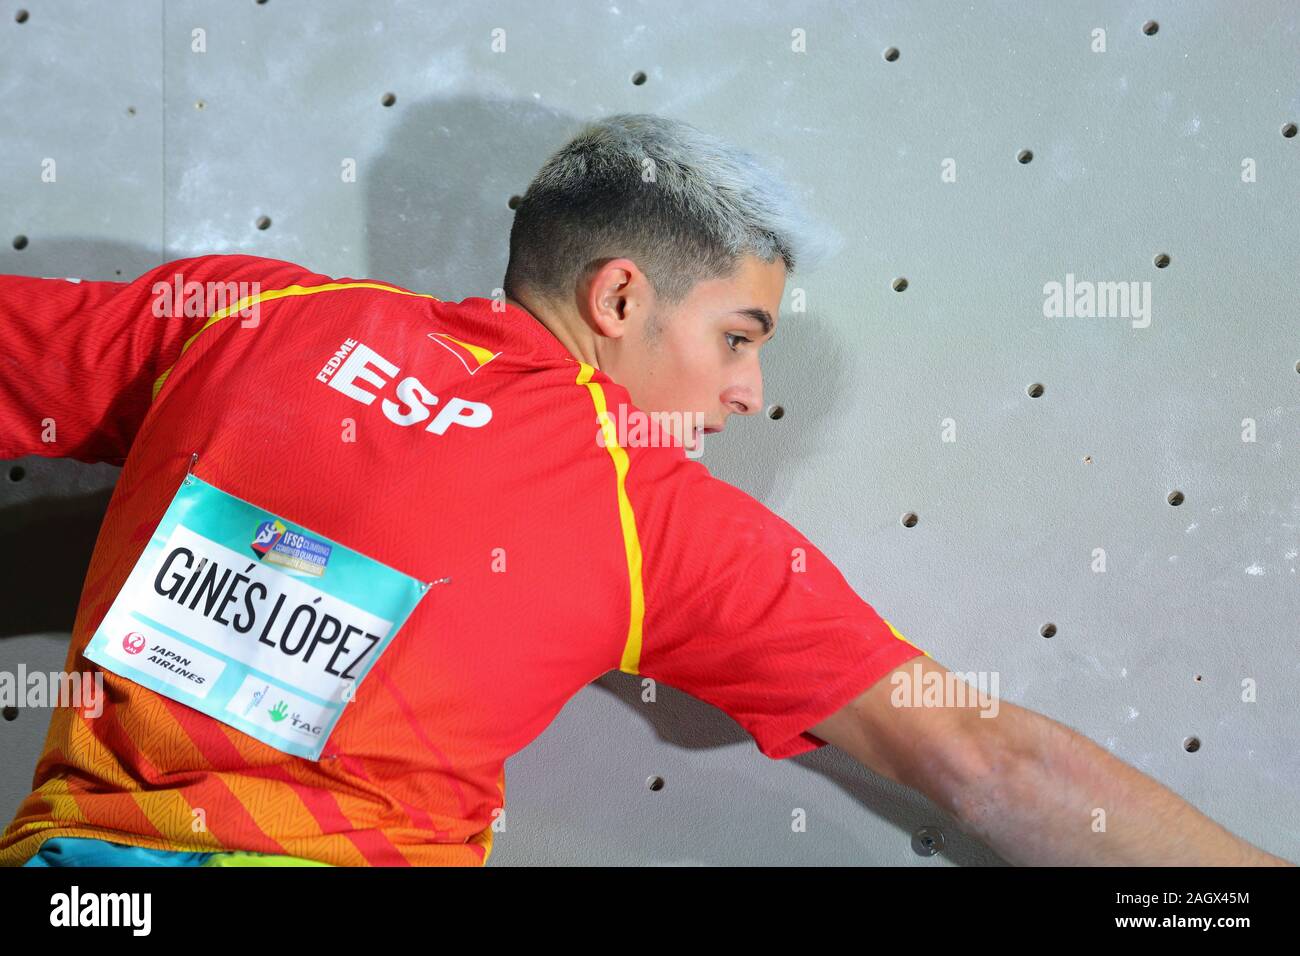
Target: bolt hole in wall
{"points": [[927, 841]]}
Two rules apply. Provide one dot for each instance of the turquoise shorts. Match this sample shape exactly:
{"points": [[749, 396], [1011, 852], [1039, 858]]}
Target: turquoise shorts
{"points": [[86, 851]]}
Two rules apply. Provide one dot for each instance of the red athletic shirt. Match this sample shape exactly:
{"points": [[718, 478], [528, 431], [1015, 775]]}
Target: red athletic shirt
{"points": [[568, 557]]}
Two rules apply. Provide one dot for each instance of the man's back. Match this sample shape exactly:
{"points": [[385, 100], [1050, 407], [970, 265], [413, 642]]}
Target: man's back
{"points": [[418, 755]]}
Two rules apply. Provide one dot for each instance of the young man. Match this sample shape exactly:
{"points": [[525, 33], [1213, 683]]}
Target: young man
{"points": [[366, 543]]}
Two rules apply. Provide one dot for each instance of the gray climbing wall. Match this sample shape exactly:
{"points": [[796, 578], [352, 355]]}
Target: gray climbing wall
{"points": [[1002, 149]]}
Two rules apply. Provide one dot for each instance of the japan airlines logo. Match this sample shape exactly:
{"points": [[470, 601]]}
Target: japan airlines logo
{"points": [[133, 643], [473, 357]]}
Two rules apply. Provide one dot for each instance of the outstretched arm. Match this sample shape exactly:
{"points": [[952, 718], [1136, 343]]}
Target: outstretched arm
{"points": [[79, 358], [1028, 786]]}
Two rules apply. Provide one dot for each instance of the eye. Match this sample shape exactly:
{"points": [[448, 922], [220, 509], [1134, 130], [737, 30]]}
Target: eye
{"points": [[731, 336]]}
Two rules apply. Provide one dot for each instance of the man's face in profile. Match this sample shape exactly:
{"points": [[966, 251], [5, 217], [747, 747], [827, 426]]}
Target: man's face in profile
{"points": [[700, 357]]}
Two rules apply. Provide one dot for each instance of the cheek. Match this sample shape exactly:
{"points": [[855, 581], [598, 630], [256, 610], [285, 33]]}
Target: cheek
{"points": [[682, 375], [695, 372]]}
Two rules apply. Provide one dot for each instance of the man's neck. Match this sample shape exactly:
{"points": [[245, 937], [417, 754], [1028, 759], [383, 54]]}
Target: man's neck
{"points": [[580, 347]]}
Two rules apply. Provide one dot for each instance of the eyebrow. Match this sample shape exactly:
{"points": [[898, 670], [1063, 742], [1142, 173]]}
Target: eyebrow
{"points": [[761, 316]]}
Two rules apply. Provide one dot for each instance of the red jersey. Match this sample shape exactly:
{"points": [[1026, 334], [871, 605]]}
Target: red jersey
{"points": [[450, 440]]}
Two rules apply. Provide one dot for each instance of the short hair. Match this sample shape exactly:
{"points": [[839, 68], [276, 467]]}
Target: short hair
{"points": [[709, 204]]}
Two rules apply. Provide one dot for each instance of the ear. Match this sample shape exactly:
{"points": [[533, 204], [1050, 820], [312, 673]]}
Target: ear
{"points": [[617, 294]]}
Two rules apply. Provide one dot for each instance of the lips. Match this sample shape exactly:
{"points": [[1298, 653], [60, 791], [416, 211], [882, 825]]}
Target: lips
{"points": [[697, 433]]}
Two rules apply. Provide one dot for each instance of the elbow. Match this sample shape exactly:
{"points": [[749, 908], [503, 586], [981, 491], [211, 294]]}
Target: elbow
{"points": [[973, 770]]}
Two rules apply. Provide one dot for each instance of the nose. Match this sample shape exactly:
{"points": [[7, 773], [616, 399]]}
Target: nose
{"points": [[746, 397], [743, 407]]}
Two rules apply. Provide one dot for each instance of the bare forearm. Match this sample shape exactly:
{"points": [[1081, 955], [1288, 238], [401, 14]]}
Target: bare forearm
{"points": [[1045, 795]]}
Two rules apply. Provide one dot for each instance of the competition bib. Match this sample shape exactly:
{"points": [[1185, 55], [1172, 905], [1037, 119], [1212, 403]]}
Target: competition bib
{"points": [[256, 621]]}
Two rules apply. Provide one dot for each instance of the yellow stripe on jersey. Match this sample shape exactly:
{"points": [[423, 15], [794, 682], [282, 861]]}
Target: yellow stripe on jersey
{"points": [[631, 542], [292, 290], [905, 640]]}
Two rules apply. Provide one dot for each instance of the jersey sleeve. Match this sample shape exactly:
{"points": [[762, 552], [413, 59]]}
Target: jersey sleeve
{"points": [[744, 612], [79, 358]]}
